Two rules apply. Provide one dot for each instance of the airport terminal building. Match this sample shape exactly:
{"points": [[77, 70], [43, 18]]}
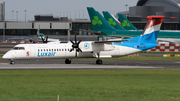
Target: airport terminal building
{"points": [[50, 25], [145, 8]]}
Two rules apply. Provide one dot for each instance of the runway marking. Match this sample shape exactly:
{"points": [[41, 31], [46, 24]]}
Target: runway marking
{"points": [[73, 66], [4, 63]]}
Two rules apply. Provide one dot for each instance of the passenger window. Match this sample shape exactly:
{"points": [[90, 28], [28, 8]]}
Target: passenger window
{"points": [[49, 49], [65, 49], [41, 50], [38, 50], [54, 49], [46, 49], [62, 50], [59, 49]]}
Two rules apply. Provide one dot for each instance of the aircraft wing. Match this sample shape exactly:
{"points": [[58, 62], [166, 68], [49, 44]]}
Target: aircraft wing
{"points": [[110, 41]]}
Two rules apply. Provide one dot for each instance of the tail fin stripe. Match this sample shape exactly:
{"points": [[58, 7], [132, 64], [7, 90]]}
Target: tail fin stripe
{"points": [[154, 23]]}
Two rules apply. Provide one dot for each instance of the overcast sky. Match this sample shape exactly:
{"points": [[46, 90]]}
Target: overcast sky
{"points": [[70, 8]]}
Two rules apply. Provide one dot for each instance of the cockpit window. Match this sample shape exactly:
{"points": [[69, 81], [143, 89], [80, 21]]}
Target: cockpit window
{"points": [[21, 48], [18, 48], [15, 48]]}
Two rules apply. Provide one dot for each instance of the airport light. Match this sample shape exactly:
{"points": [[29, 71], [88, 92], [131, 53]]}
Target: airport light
{"points": [[25, 15], [12, 14], [70, 14], [75, 14], [126, 9]]}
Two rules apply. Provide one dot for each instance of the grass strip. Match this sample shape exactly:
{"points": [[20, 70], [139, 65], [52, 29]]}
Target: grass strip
{"points": [[96, 85]]}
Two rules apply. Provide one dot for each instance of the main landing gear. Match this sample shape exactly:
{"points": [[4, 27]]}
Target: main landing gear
{"points": [[12, 62], [98, 61], [68, 61]]}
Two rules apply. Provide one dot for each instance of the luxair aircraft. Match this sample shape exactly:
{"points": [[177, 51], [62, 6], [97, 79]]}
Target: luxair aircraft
{"points": [[110, 26], [90, 49], [164, 35]]}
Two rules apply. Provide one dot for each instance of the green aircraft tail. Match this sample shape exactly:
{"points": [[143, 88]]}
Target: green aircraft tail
{"points": [[98, 21], [126, 23], [112, 20]]}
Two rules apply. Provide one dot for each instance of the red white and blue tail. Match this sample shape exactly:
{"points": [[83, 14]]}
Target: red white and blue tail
{"points": [[150, 33]]}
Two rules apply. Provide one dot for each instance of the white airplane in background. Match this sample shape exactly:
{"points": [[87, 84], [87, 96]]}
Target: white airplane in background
{"points": [[90, 49], [46, 39]]}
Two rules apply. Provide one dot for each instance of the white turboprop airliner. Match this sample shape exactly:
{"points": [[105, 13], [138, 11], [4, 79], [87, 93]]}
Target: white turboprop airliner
{"points": [[90, 49]]}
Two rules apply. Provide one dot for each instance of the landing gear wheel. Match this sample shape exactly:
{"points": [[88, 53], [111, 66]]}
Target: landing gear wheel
{"points": [[12, 62], [68, 61], [99, 62]]}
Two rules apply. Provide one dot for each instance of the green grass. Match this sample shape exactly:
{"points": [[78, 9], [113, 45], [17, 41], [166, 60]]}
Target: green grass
{"points": [[90, 85]]}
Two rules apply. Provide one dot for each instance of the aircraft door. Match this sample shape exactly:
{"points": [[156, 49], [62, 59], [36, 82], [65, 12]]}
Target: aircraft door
{"points": [[32, 51]]}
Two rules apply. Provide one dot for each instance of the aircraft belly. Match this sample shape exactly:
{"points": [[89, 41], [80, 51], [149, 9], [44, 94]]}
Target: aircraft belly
{"points": [[85, 55], [123, 50]]}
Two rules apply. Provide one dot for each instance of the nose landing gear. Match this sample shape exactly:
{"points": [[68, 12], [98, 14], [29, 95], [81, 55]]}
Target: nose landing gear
{"points": [[12, 62]]}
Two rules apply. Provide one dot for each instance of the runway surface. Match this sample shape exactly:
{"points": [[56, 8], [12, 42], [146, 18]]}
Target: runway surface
{"points": [[41, 64]]}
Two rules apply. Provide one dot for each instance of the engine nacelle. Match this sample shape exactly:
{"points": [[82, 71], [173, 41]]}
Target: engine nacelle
{"points": [[90, 46]]}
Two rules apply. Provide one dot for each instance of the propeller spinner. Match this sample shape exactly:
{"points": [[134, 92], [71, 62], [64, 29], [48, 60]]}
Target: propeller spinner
{"points": [[75, 45]]}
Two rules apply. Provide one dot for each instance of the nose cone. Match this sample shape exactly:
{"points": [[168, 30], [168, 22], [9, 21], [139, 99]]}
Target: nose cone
{"points": [[8, 55]]}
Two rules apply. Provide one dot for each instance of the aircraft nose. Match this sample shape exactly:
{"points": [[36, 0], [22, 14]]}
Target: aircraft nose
{"points": [[8, 55], [5, 56]]}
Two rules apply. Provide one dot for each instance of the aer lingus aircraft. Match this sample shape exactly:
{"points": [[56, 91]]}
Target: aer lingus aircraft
{"points": [[109, 26], [90, 49], [126, 23]]}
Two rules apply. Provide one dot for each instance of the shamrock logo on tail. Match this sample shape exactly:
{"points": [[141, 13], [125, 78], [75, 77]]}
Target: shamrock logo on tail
{"points": [[96, 21], [125, 23], [111, 22]]}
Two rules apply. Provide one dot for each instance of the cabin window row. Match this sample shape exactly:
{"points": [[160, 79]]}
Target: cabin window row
{"points": [[53, 50]]}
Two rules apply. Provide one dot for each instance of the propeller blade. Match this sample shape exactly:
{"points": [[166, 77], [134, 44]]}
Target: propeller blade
{"points": [[75, 38], [79, 42], [72, 42], [71, 50], [76, 53], [80, 50], [46, 39]]}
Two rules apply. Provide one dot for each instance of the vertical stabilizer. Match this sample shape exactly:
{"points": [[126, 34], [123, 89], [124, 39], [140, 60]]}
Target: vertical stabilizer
{"points": [[112, 20], [126, 24], [150, 33], [97, 20]]}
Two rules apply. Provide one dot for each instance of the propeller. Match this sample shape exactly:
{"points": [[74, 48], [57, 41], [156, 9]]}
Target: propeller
{"points": [[75, 45], [44, 40]]}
